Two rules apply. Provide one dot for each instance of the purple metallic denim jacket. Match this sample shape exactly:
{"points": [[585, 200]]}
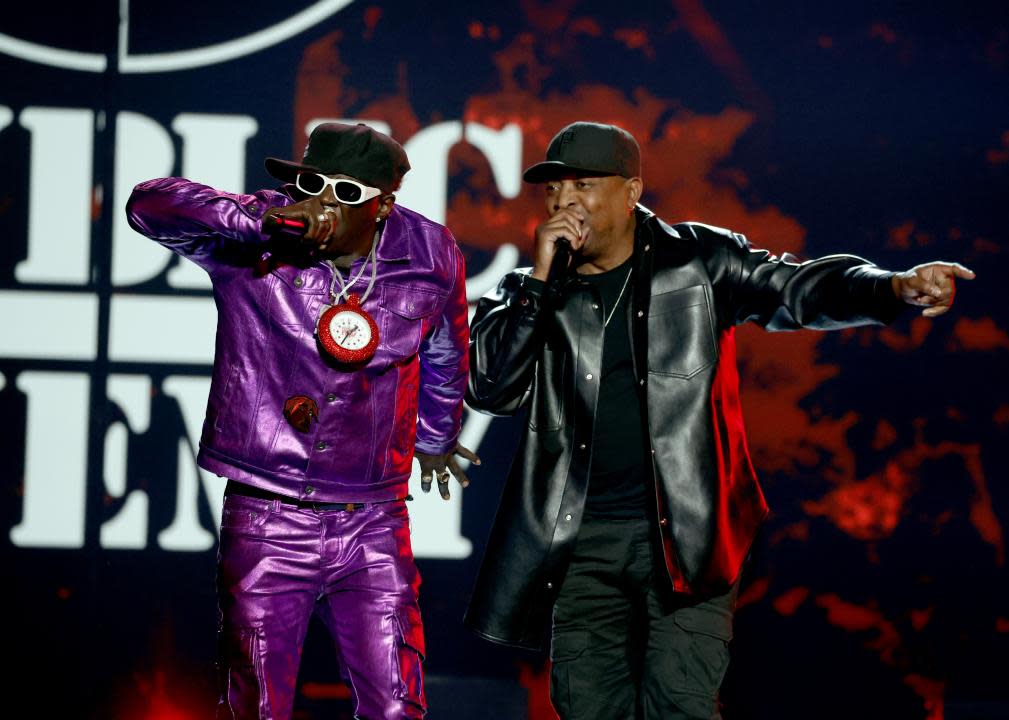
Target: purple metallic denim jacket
{"points": [[370, 420]]}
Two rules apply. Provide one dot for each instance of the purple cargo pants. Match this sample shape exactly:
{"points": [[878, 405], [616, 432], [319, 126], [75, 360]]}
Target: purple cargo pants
{"points": [[278, 564]]}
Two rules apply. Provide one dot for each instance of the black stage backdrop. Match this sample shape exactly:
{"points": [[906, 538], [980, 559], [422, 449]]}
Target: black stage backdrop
{"points": [[879, 586]]}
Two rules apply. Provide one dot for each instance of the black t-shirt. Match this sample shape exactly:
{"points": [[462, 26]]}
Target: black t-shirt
{"points": [[617, 482]]}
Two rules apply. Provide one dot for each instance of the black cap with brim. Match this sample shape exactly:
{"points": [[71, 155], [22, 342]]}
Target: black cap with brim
{"points": [[586, 149], [357, 151], [285, 170], [554, 170]]}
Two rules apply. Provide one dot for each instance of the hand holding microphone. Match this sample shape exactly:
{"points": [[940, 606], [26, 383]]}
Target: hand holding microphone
{"points": [[561, 260], [280, 225], [556, 241], [308, 222]]}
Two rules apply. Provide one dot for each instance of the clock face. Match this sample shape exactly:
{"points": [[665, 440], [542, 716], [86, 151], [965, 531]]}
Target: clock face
{"points": [[347, 333], [350, 330]]}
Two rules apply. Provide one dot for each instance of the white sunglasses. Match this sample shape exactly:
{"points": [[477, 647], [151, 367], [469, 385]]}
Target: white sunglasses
{"points": [[348, 192]]}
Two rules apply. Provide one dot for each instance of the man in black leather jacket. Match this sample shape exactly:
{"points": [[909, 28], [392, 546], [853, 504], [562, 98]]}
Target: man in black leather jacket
{"points": [[632, 503]]}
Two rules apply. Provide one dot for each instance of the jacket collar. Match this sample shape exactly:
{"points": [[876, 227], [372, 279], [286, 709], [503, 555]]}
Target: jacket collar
{"points": [[647, 219], [394, 238]]}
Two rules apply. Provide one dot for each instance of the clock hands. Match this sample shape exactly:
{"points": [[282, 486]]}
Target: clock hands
{"points": [[348, 334]]}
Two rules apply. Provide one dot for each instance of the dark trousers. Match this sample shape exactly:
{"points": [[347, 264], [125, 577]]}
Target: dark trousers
{"points": [[626, 647]]}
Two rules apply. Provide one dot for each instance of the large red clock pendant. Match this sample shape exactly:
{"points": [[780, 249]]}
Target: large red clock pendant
{"points": [[347, 332]]}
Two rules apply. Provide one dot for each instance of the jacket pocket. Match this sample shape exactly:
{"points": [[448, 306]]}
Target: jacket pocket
{"points": [[296, 298], [681, 338], [547, 412], [403, 313]]}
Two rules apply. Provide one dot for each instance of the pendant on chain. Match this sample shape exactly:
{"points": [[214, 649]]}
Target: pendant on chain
{"points": [[347, 332]]}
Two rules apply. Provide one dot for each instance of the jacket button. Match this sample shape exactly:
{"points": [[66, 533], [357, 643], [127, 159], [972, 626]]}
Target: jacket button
{"points": [[568, 517], [252, 207], [641, 381], [588, 376], [582, 446], [322, 446], [653, 451], [309, 489], [550, 586], [641, 313], [663, 521], [298, 282], [331, 397], [595, 306], [648, 247], [523, 301]]}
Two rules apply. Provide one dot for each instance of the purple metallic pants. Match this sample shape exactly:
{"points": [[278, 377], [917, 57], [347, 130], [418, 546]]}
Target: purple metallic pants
{"points": [[279, 564]]}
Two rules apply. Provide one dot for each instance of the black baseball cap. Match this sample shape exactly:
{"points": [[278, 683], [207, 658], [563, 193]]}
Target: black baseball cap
{"points": [[372, 157], [588, 148]]}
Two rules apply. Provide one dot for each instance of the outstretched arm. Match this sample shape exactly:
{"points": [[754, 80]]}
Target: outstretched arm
{"points": [[827, 293], [199, 222]]}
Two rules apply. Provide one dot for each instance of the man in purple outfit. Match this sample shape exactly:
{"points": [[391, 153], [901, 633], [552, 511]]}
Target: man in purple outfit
{"points": [[341, 352]]}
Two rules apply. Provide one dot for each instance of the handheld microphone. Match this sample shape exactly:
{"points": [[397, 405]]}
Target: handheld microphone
{"points": [[274, 224], [559, 265]]}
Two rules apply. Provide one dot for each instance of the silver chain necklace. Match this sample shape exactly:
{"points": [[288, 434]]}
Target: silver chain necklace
{"points": [[345, 288], [620, 297]]}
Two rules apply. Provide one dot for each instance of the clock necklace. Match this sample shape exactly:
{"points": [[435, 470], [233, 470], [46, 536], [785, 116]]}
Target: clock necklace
{"points": [[346, 331]]}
